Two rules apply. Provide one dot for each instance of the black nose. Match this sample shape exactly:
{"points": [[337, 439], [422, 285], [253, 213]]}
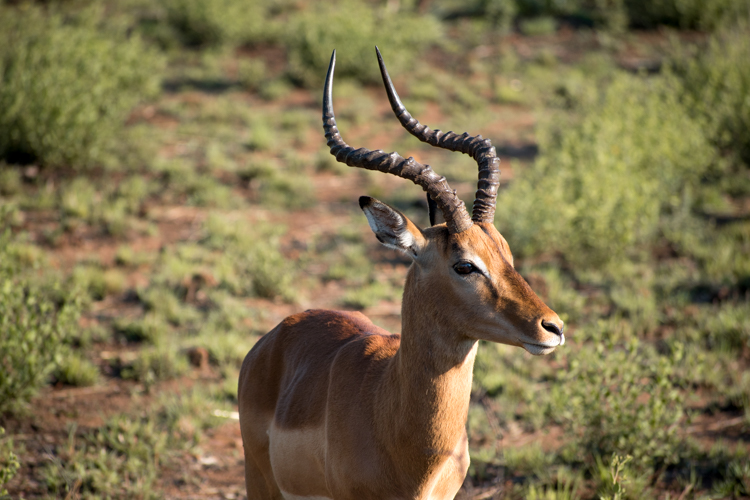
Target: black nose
{"points": [[553, 328]]}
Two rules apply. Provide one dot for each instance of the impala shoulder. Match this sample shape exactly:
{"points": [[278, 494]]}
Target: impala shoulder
{"points": [[336, 324]]}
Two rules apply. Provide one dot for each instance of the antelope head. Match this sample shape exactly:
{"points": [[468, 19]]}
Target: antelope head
{"points": [[463, 277]]}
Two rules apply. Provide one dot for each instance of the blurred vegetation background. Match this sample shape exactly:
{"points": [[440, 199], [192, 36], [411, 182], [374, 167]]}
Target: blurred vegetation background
{"points": [[166, 197]]}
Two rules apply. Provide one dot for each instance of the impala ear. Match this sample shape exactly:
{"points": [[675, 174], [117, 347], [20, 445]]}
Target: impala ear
{"points": [[392, 228]]}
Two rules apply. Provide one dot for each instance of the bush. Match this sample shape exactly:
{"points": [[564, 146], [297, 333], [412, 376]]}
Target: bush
{"points": [[67, 85], [689, 14], [610, 180], [620, 399], [716, 85], [355, 28], [609, 14], [218, 22], [33, 325]]}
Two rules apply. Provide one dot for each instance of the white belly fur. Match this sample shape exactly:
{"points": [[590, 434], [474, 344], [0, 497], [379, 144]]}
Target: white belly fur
{"points": [[298, 462]]}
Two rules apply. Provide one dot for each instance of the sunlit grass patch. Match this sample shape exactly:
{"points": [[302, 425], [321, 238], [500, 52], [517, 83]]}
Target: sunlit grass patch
{"points": [[35, 318], [156, 364], [97, 281], [76, 370], [370, 294], [124, 456], [151, 329]]}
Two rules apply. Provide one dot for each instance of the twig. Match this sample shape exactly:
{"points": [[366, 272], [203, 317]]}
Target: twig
{"points": [[685, 492], [486, 494], [84, 391], [717, 425]]}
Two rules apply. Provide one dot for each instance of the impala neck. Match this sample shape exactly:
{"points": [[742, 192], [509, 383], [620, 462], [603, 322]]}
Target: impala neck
{"points": [[427, 391]]}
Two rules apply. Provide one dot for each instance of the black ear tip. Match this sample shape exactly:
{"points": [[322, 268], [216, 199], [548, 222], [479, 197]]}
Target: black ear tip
{"points": [[365, 201]]}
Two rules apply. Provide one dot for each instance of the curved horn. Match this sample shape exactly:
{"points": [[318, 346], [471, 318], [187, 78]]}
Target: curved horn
{"points": [[454, 210], [478, 148]]}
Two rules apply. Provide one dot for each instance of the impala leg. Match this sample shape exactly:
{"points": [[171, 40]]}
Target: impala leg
{"points": [[259, 483]]}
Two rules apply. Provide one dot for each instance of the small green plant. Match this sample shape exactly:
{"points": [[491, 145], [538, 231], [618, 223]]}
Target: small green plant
{"points": [[252, 73], [162, 303], [538, 26], [736, 481], [275, 89], [156, 364], [34, 321], [10, 180], [565, 488], [151, 329], [9, 464], [76, 370], [97, 282], [67, 85], [531, 459], [618, 477]]}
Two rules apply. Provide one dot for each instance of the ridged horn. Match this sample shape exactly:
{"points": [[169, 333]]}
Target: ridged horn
{"points": [[454, 211], [481, 150]]}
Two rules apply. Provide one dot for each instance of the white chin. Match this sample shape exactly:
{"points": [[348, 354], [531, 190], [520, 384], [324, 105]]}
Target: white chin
{"points": [[538, 350]]}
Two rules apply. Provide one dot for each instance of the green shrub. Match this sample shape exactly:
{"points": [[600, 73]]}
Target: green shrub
{"points": [[684, 13], [722, 328], [354, 28], [10, 180], [620, 399], [218, 22], [610, 180], [33, 324], [67, 85], [716, 85], [615, 15]]}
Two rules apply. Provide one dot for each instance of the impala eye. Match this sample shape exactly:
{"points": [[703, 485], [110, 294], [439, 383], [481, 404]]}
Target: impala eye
{"points": [[464, 268]]}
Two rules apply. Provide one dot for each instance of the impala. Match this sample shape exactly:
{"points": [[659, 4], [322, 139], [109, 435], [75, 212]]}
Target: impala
{"points": [[332, 406]]}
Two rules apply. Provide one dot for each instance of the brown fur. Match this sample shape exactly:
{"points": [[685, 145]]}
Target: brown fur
{"points": [[333, 406]]}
